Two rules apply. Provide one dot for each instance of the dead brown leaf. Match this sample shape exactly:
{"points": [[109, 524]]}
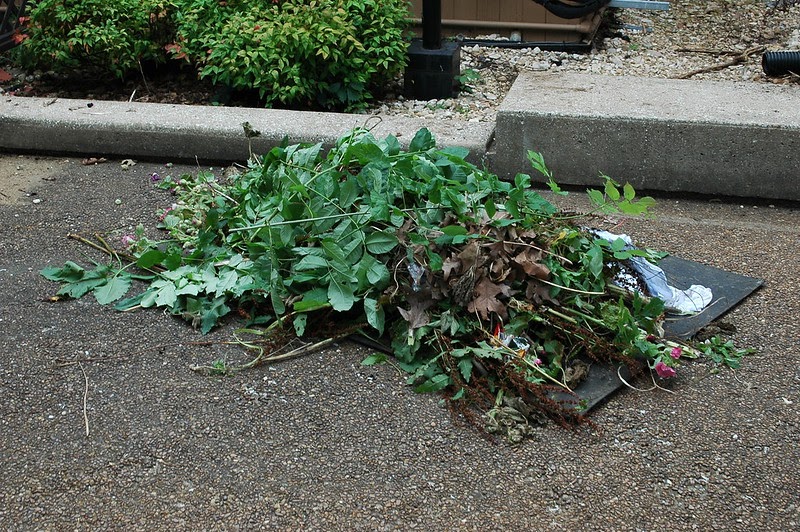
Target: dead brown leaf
{"points": [[537, 293], [486, 301], [450, 265], [93, 160], [499, 270], [529, 261], [416, 315], [469, 255]]}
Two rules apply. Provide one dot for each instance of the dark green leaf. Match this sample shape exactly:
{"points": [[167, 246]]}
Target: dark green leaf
{"points": [[150, 258], [375, 314], [340, 294], [115, 288], [70, 272], [422, 141], [453, 230], [374, 359], [311, 262], [79, 289], [380, 242], [212, 313], [129, 303], [465, 366], [348, 193], [435, 261], [434, 384], [490, 207]]}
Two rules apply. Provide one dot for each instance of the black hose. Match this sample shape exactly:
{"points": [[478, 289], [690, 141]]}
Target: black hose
{"points": [[548, 46], [572, 8]]}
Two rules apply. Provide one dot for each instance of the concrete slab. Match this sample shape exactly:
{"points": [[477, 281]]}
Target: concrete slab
{"points": [[183, 132], [721, 138]]}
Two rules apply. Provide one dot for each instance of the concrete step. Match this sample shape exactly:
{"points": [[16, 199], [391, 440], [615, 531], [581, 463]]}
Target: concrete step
{"points": [[708, 137]]}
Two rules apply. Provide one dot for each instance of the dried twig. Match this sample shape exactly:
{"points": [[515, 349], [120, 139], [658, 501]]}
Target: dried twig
{"points": [[105, 248], [63, 362], [85, 398], [707, 51], [144, 79], [741, 58]]}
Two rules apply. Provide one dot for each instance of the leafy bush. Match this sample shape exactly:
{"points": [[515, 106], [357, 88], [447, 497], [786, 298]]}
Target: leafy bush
{"points": [[99, 35], [319, 53], [328, 53]]}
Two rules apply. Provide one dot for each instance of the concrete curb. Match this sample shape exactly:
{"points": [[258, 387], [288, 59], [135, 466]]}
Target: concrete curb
{"points": [[723, 138], [720, 138], [182, 132]]}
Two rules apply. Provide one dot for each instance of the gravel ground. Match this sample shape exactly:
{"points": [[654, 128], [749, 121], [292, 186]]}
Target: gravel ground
{"points": [[321, 443], [691, 35]]}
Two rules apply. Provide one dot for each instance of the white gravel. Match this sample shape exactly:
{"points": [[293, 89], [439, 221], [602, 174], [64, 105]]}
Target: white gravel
{"points": [[691, 35]]}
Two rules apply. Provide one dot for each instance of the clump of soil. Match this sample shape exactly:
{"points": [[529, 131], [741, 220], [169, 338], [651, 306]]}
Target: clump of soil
{"points": [[165, 84]]}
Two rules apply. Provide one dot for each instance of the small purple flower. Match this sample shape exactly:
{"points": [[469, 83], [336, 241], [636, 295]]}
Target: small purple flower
{"points": [[664, 371], [538, 362], [128, 240], [651, 338], [154, 177], [676, 353]]}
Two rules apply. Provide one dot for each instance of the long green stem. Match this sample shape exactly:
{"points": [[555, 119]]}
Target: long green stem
{"points": [[301, 221]]}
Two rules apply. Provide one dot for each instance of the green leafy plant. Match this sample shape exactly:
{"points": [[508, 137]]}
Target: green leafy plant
{"points": [[467, 79], [724, 351], [97, 36], [481, 285], [326, 53]]}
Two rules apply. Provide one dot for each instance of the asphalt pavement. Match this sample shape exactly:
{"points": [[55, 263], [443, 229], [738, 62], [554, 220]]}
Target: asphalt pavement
{"points": [[323, 443]]}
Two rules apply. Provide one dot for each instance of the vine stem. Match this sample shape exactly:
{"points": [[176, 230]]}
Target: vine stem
{"points": [[575, 290], [304, 220], [108, 250], [556, 255]]}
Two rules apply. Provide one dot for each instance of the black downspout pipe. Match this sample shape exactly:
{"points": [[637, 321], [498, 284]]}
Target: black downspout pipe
{"points": [[433, 65], [432, 24]]}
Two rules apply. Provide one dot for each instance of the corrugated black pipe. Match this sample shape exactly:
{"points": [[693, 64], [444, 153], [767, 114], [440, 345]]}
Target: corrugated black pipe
{"points": [[572, 8], [781, 63]]}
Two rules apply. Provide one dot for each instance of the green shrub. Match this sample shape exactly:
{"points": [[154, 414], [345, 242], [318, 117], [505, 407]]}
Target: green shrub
{"points": [[326, 53], [330, 54], [101, 35]]}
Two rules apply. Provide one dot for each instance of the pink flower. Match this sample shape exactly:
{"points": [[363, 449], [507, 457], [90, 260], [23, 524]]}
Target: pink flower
{"points": [[128, 240], [676, 353], [166, 212], [664, 371], [538, 362]]}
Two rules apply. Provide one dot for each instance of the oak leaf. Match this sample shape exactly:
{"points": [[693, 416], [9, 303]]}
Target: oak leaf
{"points": [[486, 302], [416, 315], [529, 261]]}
